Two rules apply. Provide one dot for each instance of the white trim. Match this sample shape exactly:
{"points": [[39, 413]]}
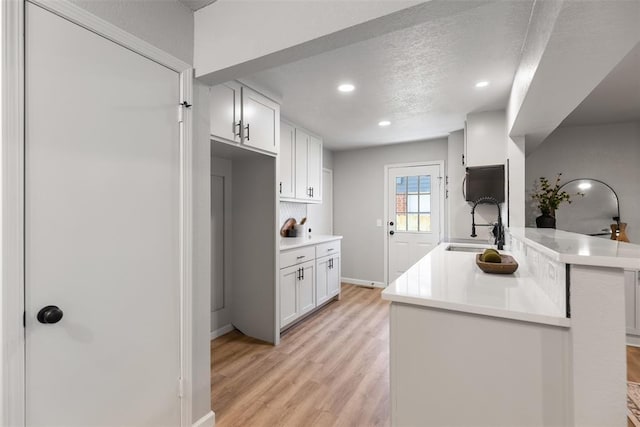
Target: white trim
{"points": [[95, 24], [440, 164], [12, 299], [208, 420], [633, 340], [13, 369], [186, 243], [221, 331], [360, 282]]}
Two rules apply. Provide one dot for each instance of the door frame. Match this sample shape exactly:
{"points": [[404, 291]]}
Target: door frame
{"points": [[12, 334], [440, 164]]}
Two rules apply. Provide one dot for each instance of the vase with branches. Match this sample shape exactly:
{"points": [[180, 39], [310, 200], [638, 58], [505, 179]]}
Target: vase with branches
{"points": [[548, 196]]}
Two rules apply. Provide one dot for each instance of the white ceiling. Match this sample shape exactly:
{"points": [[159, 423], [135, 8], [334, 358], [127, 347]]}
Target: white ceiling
{"points": [[616, 99], [421, 78], [196, 4]]}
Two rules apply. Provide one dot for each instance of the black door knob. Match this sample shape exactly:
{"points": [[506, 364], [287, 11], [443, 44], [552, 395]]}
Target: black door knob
{"points": [[50, 314], [392, 232], [391, 223]]}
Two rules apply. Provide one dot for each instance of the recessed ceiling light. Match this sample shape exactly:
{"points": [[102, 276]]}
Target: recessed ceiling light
{"points": [[346, 87], [483, 83], [384, 123]]}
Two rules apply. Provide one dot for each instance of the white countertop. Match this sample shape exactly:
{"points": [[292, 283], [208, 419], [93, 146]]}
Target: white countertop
{"points": [[573, 248], [298, 242], [452, 280]]}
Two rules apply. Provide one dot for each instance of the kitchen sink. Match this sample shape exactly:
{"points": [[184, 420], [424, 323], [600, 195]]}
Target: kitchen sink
{"points": [[473, 249]]}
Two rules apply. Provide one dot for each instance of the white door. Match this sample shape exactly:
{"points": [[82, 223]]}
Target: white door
{"points": [[102, 221], [220, 246], [314, 168], [333, 280], [287, 161], [413, 217], [321, 214], [307, 288], [303, 191], [289, 294], [322, 279], [224, 111]]}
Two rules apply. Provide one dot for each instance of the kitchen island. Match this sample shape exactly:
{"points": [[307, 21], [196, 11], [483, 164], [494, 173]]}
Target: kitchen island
{"points": [[544, 346]]}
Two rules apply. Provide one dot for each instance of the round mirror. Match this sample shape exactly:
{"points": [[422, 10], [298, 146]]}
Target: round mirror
{"points": [[593, 213]]}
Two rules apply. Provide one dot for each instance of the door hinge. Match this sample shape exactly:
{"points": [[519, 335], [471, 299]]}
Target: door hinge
{"points": [[180, 388], [24, 319], [181, 107]]}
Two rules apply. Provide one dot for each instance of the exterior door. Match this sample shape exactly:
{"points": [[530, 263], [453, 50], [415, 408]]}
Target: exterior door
{"points": [[413, 218], [102, 231]]}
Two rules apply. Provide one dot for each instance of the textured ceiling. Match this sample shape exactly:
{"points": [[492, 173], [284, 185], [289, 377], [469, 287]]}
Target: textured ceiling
{"points": [[196, 4], [420, 78], [616, 99]]}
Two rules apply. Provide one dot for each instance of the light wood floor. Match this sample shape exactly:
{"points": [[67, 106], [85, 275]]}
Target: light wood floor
{"points": [[331, 369]]}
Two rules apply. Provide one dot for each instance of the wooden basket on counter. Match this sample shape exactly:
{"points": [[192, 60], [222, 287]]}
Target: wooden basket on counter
{"points": [[507, 266]]}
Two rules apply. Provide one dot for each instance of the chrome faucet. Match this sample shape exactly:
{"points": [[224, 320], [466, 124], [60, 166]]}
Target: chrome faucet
{"points": [[498, 229]]}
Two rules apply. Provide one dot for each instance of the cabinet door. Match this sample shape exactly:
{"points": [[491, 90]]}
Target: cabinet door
{"points": [[301, 147], [333, 277], [287, 161], [260, 121], [322, 279], [314, 168], [306, 288], [224, 111], [288, 295]]}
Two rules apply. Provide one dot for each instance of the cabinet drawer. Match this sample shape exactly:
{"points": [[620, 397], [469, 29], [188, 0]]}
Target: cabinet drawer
{"points": [[328, 248], [297, 256]]}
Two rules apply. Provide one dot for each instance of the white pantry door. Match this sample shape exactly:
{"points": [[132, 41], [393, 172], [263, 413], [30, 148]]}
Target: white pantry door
{"points": [[102, 220], [413, 225]]}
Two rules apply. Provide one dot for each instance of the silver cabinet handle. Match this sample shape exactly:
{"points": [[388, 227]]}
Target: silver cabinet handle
{"points": [[330, 249], [301, 256], [239, 125], [248, 134]]}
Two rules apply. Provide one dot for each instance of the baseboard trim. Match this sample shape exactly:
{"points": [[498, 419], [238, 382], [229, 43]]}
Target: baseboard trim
{"points": [[221, 331], [359, 282], [209, 420], [633, 340]]}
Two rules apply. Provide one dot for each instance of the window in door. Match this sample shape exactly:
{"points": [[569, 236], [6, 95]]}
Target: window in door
{"points": [[413, 203]]}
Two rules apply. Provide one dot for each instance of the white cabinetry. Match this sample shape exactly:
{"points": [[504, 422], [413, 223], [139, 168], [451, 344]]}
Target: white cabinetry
{"points": [[632, 301], [241, 115], [309, 277], [224, 111], [287, 161], [302, 179], [485, 139]]}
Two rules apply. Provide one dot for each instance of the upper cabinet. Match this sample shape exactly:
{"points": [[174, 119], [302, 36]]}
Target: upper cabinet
{"points": [[485, 139], [300, 165], [241, 115], [287, 161]]}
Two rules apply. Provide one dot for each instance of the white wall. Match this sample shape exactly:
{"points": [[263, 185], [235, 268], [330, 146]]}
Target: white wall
{"points": [[201, 366], [358, 201], [610, 153], [166, 24]]}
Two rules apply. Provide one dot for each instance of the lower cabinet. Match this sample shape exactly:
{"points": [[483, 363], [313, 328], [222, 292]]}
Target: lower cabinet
{"points": [[327, 278], [309, 277], [632, 301], [297, 291]]}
